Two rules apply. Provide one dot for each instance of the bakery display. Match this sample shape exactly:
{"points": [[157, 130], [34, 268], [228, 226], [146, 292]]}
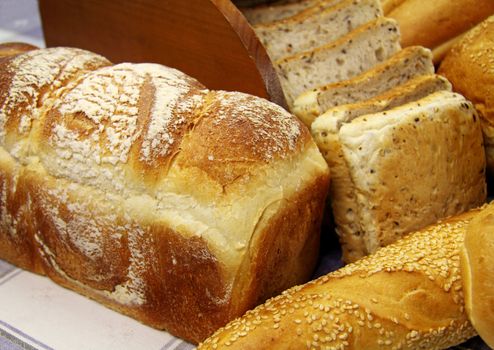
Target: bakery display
{"points": [[99, 173], [408, 295], [469, 68]]}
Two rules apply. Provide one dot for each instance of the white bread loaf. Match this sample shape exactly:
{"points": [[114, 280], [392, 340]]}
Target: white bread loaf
{"points": [[477, 270], [134, 185], [325, 130], [315, 26], [352, 54], [406, 64], [413, 165], [406, 296]]}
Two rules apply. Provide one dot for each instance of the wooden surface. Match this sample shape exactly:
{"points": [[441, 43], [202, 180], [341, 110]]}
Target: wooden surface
{"points": [[207, 39]]}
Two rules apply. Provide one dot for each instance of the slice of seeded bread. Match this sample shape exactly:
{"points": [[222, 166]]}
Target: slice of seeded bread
{"points": [[352, 54], [279, 10], [325, 130], [316, 26], [406, 64], [413, 165]]}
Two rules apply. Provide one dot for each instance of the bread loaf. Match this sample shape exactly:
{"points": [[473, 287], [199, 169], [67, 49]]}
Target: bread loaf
{"points": [[315, 26], [403, 66], [469, 68], [134, 185], [406, 296], [13, 48], [431, 23], [349, 56], [477, 270], [263, 14]]}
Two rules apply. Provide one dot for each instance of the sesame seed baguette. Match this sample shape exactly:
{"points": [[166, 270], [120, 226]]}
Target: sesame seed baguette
{"points": [[325, 131], [406, 296], [349, 56], [315, 26], [404, 65]]}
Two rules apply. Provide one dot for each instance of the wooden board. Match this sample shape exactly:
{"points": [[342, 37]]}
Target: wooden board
{"points": [[207, 39]]}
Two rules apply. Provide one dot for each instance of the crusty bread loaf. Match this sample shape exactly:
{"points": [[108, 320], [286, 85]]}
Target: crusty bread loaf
{"points": [[99, 174], [431, 23], [326, 129], [406, 64], [477, 270], [352, 54], [469, 67], [315, 26], [413, 165], [268, 13], [406, 296]]}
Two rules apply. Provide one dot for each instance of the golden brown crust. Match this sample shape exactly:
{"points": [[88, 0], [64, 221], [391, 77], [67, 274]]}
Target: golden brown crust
{"points": [[431, 23], [135, 186], [469, 68], [14, 48], [478, 274], [405, 296]]}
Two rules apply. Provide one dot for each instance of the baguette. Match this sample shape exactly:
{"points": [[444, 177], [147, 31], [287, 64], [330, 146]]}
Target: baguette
{"points": [[413, 165], [352, 54], [406, 296], [99, 166], [403, 66], [315, 26]]}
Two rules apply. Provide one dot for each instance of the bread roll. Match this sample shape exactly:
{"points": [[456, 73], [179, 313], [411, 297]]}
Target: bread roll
{"points": [[14, 48], [431, 23], [134, 185], [469, 67], [478, 274], [406, 296]]}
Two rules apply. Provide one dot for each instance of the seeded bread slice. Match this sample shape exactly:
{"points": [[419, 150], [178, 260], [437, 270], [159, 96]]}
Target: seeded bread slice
{"points": [[352, 54], [316, 26], [325, 131], [414, 165], [406, 64], [279, 10]]}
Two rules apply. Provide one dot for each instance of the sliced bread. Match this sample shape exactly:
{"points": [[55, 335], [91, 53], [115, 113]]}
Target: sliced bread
{"points": [[325, 131], [413, 165], [316, 26], [352, 54], [273, 12], [406, 64]]}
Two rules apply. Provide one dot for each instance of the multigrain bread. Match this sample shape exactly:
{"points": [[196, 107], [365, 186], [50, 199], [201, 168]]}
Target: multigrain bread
{"points": [[325, 131], [413, 165], [470, 68], [279, 10], [431, 23], [315, 26], [352, 54], [406, 296], [99, 167], [406, 64], [477, 270]]}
